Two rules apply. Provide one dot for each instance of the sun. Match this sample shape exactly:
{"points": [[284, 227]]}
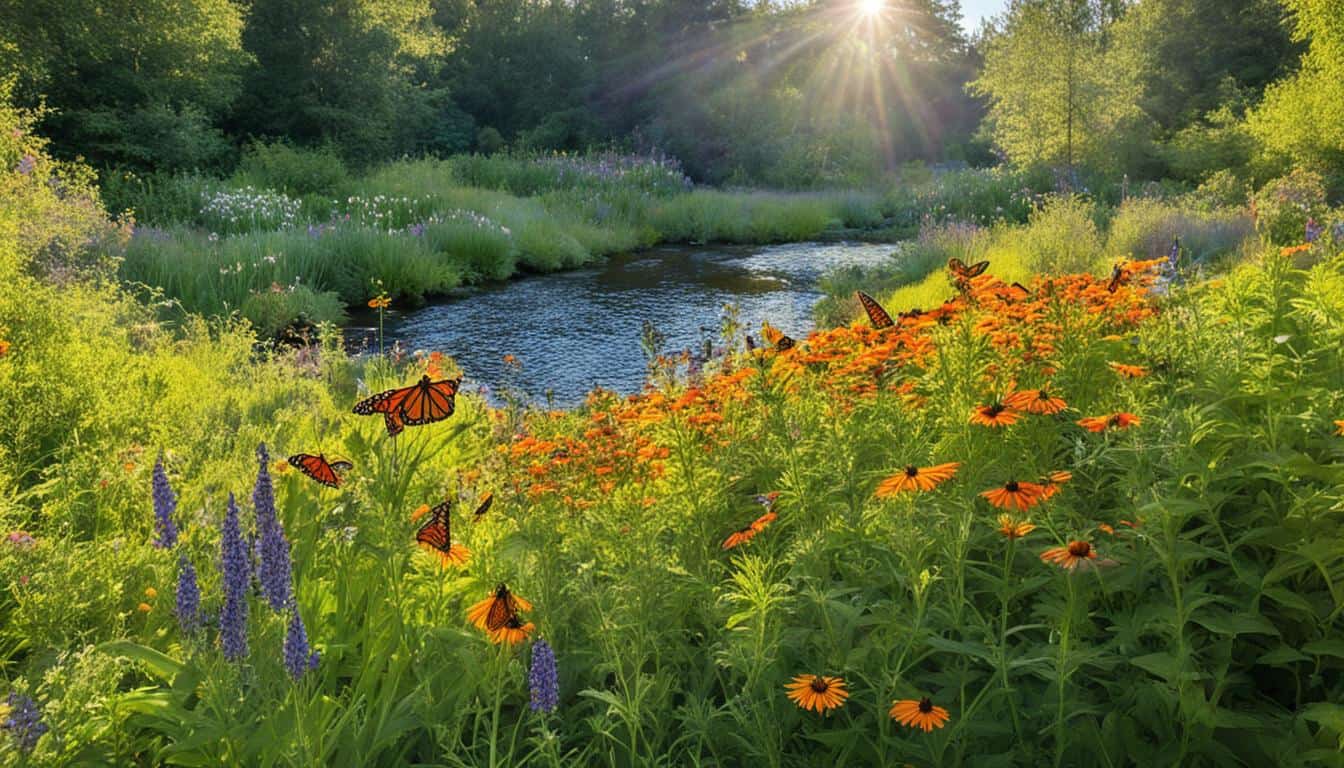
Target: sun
{"points": [[871, 8]]}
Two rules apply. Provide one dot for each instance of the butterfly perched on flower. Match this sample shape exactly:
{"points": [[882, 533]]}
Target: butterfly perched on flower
{"points": [[318, 468], [879, 317], [437, 536], [496, 611], [1118, 276], [776, 338], [424, 402]]}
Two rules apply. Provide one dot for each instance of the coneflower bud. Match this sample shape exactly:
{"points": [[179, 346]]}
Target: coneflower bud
{"points": [[188, 598], [165, 504], [544, 678], [236, 577]]}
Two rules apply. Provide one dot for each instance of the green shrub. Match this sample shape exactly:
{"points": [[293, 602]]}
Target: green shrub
{"points": [[1144, 229], [270, 311], [1283, 206], [481, 246], [292, 170], [1062, 237]]}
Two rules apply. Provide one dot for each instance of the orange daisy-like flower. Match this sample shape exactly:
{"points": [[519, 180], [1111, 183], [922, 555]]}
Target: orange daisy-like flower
{"points": [[380, 302], [1339, 423], [1051, 482], [1075, 554], [920, 714], [1120, 420], [1015, 495], [1037, 401], [993, 415], [513, 632], [457, 554], [739, 537], [819, 692], [1292, 250], [1014, 529], [1129, 371], [914, 478], [419, 512], [761, 522]]}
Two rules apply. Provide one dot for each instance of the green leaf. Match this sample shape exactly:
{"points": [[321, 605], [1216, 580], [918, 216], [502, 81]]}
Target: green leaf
{"points": [[1326, 715], [1225, 623], [1331, 647], [159, 664], [1282, 656]]}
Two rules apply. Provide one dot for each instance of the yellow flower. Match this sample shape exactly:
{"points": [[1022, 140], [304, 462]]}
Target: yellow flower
{"points": [[143, 608], [151, 592]]}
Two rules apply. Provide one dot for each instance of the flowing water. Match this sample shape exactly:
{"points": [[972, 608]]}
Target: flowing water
{"points": [[572, 331]]}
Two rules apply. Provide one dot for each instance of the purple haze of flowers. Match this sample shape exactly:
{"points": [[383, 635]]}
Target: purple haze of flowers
{"points": [[26, 164], [298, 659], [188, 598], [165, 504], [272, 550], [544, 678], [236, 577], [1314, 230], [24, 721]]}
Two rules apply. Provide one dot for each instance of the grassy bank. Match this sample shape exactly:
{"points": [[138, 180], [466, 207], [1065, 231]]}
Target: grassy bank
{"points": [[1205, 630]]}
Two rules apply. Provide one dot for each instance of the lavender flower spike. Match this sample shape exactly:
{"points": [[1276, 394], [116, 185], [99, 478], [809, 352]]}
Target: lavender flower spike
{"points": [[298, 659], [188, 598], [165, 504], [543, 678], [23, 721], [236, 578], [273, 564]]}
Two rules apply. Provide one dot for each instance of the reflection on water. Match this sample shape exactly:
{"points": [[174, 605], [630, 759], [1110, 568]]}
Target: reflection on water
{"points": [[576, 330]]}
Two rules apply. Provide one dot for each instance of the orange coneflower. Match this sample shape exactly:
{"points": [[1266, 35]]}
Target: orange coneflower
{"points": [[1129, 371], [914, 478], [818, 692], [993, 415], [380, 302], [1037, 401], [1014, 529], [1051, 482], [1075, 554], [1015, 495], [919, 714], [1120, 420], [513, 632], [1339, 423], [419, 512]]}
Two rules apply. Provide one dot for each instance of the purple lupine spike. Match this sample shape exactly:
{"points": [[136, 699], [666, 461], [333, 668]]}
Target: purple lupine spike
{"points": [[236, 577], [274, 569], [24, 721], [298, 658], [543, 678], [188, 598], [165, 505]]}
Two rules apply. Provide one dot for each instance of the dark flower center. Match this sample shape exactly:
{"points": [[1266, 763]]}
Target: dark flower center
{"points": [[514, 622], [1080, 549], [994, 410], [911, 471], [1114, 421], [1042, 395], [819, 685], [1011, 486], [925, 705]]}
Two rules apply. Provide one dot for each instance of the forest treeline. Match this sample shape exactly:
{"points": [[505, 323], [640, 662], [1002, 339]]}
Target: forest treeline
{"points": [[780, 94]]}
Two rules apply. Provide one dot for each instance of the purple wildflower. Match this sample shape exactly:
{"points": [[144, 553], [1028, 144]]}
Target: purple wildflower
{"points": [[188, 598], [272, 550], [544, 678], [24, 721], [1314, 230], [165, 504], [298, 658], [26, 164], [236, 577]]}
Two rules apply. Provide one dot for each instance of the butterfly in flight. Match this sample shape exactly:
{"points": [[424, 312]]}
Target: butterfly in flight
{"points": [[878, 316], [321, 470], [1118, 276], [962, 272], [776, 338], [436, 536], [424, 402], [483, 508]]}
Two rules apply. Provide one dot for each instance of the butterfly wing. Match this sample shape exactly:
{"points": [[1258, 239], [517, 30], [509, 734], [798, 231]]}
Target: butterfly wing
{"points": [[317, 468], [502, 609], [1117, 276], [978, 269], [878, 316], [776, 338], [384, 402], [430, 402], [392, 420], [437, 533], [484, 507]]}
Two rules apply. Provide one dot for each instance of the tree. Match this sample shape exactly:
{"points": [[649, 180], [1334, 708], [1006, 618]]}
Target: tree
{"points": [[1054, 95]]}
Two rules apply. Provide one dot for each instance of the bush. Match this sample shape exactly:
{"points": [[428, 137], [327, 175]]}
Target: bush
{"points": [[1144, 229], [1283, 206], [294, 171], [1062, 236]]}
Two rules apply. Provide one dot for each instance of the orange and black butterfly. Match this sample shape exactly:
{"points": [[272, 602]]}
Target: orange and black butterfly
{"points": [[503, 609], [437, 536], [483, 508], [962, 272], [424, 402], [1118, 276], [776, 338], [321, 470], [878, 316]]}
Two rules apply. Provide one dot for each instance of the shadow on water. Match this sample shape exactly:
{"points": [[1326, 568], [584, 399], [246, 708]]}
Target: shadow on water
{"points": [[572, 331]]}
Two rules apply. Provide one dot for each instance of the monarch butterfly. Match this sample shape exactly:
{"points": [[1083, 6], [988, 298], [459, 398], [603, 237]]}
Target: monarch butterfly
{"points": [[876, 314], [424, 402], [503, 609], [963, 272], [776, 338], [437, 533], [318, 468], [483, 508], [1118, 276]]}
